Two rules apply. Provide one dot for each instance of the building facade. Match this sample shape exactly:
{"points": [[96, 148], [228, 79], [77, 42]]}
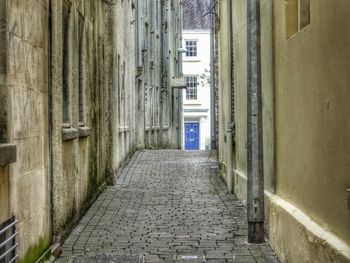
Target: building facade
{"points": [[304, 73], [83, 84], [196, 68]]}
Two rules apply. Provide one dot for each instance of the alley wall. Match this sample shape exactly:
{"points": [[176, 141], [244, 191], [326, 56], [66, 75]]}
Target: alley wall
{"points": [[305, 132], [312, 128], [83, 85], [24, 123]]}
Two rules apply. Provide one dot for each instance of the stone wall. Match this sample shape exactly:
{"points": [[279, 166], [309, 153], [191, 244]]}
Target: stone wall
{"points": [[24, 122], [83, 84], [81, 58], [123, 96]]}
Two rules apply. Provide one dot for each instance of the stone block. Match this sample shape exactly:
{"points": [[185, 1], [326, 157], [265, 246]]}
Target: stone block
{"points": [[8, 154]]}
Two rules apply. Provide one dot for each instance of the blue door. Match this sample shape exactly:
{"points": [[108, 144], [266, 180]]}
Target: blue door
{"points": [[192, 136]]}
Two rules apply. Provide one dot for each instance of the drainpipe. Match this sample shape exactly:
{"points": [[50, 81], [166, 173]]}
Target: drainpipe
{"points": [[229, 125], [255, 187], [212, 76]]}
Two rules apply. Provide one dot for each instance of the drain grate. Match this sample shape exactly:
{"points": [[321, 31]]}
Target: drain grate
{"points": [[8, 243]]}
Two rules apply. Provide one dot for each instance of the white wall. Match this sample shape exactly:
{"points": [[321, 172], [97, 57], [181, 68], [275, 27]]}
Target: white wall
{"points": [[196, 66]]}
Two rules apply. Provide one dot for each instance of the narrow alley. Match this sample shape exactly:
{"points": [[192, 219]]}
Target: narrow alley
{"points": [[174, 131], [166, 206]]}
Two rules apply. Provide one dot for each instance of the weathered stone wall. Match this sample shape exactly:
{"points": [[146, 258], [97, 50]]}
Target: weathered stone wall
{"points": [[24, 122], [123, 95], [4, 180], [161, 37], [126, 109], [82, 145], [174, 67], [82, 85]]}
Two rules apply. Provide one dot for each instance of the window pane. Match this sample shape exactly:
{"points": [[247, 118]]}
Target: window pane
{"points": [[191, 91], [191, 46]]}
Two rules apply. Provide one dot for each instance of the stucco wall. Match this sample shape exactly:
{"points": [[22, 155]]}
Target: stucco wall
{"points": [[312, 107], [306, 143], [223, 81], [239, 18]]}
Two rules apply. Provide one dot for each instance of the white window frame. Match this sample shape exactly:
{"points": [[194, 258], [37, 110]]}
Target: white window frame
{"points": [[194, 95], [192, 48]]}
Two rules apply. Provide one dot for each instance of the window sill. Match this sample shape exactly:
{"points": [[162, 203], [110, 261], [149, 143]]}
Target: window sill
{"points": [[192, 102], [195, 59], [69, 133], [123, 129], [84, 131]]}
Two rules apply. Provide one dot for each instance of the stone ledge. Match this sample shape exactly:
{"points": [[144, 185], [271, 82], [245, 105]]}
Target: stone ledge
{"points": [[84, 132], [8, 154], [69, 134]]}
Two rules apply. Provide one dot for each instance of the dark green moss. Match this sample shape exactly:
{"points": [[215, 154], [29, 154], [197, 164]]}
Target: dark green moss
{"points": [[35, 251]]}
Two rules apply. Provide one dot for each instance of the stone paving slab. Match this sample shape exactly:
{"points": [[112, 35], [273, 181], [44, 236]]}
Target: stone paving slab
{"points": [[166, 206]]}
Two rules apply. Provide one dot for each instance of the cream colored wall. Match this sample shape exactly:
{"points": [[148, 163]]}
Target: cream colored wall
{"points": [[312, 110], [239, 18], [239, 22], [223, 82], [306, 136]]}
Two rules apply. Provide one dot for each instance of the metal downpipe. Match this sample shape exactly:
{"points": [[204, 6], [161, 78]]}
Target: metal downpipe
{"points": [[255, 171]]}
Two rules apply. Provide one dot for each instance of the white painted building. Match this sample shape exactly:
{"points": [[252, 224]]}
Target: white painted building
{"points": [[196, 68]]}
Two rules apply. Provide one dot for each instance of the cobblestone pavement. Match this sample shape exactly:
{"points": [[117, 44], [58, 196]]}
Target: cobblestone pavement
{"points": [[167, 206]]}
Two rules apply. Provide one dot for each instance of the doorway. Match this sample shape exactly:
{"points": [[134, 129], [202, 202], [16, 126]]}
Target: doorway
{"points": [[192, 136]]}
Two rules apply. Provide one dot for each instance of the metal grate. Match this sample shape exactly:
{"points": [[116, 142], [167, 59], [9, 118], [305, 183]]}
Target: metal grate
{"points": [[8, 243]]}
